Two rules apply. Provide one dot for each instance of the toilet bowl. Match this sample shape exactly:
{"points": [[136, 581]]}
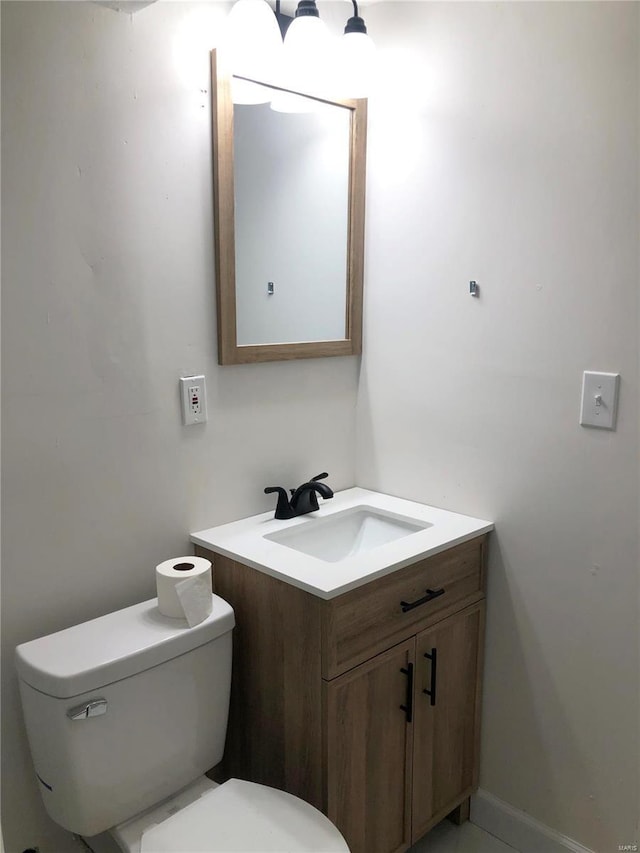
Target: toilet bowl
{"points": [[235, 816], [124, 715]]}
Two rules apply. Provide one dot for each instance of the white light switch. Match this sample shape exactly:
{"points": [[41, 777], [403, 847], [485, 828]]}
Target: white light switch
{"points": [[599, 399], [194, 400]]}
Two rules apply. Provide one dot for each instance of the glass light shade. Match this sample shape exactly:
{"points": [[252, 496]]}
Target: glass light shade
{"points": [[307, 47], [356, 64], [253, 45]]}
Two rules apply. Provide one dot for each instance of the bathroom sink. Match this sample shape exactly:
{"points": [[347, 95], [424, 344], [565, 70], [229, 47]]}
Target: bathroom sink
{"points": [[347, 533], [352, 539]]}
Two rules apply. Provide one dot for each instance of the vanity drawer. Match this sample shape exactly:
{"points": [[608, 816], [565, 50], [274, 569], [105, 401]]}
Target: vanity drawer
{"points": [[367, 620]]}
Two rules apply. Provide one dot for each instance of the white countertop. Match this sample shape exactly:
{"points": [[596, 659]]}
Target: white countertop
{"points": [[244, 541]]}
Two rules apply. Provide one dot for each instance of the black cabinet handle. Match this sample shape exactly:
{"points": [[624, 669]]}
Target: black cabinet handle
{"points": [[431, 594], [408, 708], [433, 657]]}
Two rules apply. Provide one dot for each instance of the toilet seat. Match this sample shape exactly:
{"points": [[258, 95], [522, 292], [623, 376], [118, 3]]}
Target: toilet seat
{"points": [[244, 817]]}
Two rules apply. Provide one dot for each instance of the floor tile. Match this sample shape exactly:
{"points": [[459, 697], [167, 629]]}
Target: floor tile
{"points": [[446, 837]]}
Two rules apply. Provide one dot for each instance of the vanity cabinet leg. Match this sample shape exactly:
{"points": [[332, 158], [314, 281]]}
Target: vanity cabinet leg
{"points": [[461, 813]]}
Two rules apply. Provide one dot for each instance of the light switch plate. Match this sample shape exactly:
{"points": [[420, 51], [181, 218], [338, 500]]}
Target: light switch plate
{"points": [[599, 399]]}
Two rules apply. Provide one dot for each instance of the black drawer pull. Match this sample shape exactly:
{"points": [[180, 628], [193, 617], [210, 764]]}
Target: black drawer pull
{"points": [[433, 657], [431, 594], [408, 708]]}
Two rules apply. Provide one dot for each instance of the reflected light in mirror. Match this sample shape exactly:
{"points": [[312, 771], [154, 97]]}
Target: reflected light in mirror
{"points": [[246, 92], [288, 102]]}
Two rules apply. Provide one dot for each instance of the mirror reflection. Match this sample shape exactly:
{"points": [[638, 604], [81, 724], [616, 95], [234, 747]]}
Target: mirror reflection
{"points": [[289, 195], [291, 223]]}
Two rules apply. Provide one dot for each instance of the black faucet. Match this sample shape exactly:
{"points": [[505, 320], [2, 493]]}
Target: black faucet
{"points": [[303, 499]]}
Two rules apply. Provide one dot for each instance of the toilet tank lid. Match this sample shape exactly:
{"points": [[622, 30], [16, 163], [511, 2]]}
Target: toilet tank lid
{"points": [[109, 648]]}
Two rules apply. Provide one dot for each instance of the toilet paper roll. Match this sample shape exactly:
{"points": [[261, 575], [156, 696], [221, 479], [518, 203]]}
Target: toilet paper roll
{"points": [[184, 588]]}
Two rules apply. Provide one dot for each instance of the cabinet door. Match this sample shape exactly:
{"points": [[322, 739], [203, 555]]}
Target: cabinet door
{"points": [[447, 714], [368, 751]]}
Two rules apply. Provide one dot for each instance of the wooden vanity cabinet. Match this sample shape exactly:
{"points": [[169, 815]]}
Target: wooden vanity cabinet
{"points": [[369, 753], [447, 718], [328, 697]]}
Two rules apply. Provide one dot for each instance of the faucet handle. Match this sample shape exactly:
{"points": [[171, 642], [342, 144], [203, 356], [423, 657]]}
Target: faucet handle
{"points": [[283, 507]]}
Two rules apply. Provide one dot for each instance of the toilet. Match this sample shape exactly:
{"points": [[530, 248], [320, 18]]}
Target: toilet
{"points": [[125, 714]]}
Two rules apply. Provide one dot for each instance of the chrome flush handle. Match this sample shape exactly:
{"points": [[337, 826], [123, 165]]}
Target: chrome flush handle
{"points": [[94, 708]]}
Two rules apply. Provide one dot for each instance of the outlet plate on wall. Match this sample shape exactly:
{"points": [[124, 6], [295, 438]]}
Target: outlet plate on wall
{"points": [[193, 393]]}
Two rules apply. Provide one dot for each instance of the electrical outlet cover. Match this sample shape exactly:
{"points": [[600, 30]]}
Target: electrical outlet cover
{"points": [[193, 395]]}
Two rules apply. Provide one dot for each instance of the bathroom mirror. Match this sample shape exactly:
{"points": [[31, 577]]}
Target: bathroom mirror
{"points": [[289, 185]]}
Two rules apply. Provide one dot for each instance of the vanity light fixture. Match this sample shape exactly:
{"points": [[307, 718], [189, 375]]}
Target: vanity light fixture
{"points": [[284, 21], [307, 48], [306, 62]]}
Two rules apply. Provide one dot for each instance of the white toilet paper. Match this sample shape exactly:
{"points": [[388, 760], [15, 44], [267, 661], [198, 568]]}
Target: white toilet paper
{"points": [[184, 588]]}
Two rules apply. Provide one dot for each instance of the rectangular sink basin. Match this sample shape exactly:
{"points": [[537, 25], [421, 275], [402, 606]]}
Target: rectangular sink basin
{"points": [[346, 534], [354, 538]]}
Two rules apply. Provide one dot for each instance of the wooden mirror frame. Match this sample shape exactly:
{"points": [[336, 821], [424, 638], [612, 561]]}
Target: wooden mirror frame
{"points": [[229, 352]]}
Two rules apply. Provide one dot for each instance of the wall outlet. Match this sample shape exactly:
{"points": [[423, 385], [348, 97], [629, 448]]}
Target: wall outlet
{"points": [[193, 393], [599, 399]]}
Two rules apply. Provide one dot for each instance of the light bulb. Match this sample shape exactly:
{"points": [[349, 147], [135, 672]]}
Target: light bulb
{"points": [[253, 46], [356, 64], [306, 56], [356, 59]]}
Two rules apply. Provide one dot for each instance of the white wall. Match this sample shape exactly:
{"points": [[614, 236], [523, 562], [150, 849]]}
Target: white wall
{"points": [[108, 297], [506, 150]]}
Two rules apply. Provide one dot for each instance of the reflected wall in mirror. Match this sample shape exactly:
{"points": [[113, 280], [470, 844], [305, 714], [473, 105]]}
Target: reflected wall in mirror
{"points": [[289, 180], [291, 200]]}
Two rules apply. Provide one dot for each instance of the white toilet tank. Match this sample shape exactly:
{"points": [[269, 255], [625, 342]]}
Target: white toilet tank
{"points": [[150, 698]]}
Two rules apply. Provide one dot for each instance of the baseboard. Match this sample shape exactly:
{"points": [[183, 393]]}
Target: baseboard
{"points": [[517, 828]]}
